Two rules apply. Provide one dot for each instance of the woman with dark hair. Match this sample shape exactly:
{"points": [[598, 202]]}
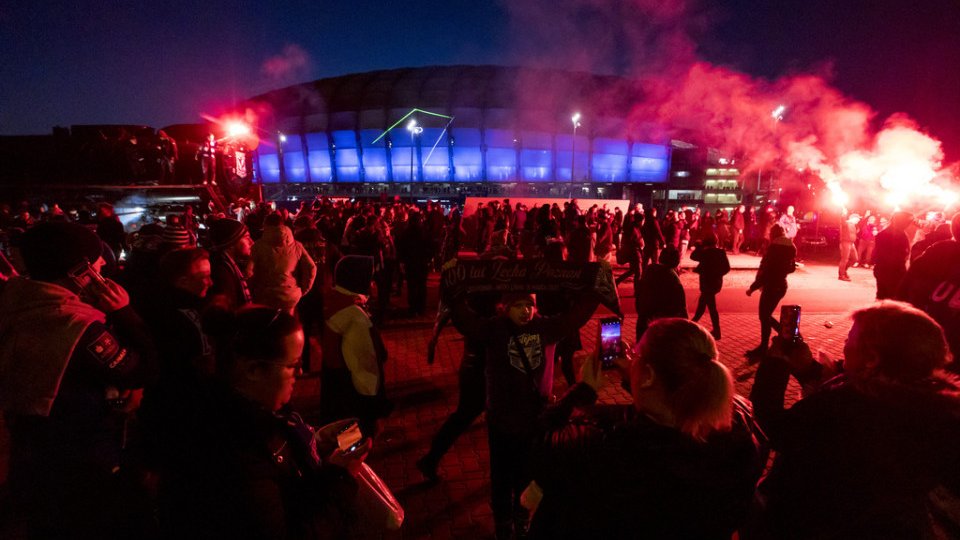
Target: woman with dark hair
{"points": [[234, 460], [681, 461]]}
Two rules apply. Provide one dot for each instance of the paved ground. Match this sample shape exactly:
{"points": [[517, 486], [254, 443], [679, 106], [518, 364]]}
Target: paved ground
{"points": [[424, 395], [458, 506]]}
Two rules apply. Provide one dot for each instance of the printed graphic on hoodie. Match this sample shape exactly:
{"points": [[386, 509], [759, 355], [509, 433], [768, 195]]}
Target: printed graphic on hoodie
{"points": [[531, 346]]}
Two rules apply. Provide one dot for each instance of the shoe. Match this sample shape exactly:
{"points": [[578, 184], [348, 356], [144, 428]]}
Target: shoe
{"points": [[715, 334], [844, 278], [755, 355], [428, 469], [855, 265]]}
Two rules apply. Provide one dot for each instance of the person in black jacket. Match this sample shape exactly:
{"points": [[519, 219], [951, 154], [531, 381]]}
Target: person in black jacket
{"points": [[891, 254], [680, 462], [230, 246], [653, 240], [519, 375], [868, 453], [74, 358], [713, 266], [778, 261], [659, 293]]}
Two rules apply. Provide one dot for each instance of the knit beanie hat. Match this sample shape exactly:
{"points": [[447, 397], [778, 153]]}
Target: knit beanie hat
{"points": [[354, 273], [177, 235], [50, 250], [225, 232], [510, 298]]}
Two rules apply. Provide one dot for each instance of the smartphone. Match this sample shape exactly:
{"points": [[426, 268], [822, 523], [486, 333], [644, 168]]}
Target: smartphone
{"points": [[790, 323], [83, 275], [349, 438], [610, 344]]}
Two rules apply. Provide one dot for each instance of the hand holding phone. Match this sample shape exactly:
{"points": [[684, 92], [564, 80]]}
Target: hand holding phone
{"points": [[609, 344]]}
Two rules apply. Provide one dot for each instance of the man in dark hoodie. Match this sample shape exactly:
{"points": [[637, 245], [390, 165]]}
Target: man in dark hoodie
{"points": [[778, 261], [713, 266], [891, 254], [861, 455], [659, 294], [519, 377]]}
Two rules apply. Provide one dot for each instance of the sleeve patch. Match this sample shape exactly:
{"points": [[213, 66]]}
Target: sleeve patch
{"points": [[106, 350]]}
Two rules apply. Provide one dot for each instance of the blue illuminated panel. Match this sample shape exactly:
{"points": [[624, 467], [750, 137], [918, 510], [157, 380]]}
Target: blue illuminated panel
{"points": [[501, 155], [649, 163], [374, 156], [564, 157], [269, 165], [467, 159], [536, 157], [609, 160], [403, 154], [436, 163], [348, 161], [319, 154], [293, 163]]}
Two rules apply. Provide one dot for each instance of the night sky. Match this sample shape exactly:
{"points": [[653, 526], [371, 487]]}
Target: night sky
{"points": [[159, 63]]}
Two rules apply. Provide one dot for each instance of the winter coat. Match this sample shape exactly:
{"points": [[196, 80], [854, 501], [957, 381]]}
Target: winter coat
{"points": [[615, 473], [857, 458], [282, 269], [779, 260], [713, 266]]}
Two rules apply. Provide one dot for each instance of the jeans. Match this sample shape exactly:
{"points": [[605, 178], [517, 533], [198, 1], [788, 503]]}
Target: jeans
{"points": [[769, 298], [708, 301], [470, 404], [848, 256]]}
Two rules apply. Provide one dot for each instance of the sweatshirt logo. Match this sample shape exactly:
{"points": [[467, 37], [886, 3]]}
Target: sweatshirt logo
{"points": [[531, 346]]}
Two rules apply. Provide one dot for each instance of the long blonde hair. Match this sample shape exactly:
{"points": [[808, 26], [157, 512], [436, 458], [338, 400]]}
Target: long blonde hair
{"points": [[698, 388]]}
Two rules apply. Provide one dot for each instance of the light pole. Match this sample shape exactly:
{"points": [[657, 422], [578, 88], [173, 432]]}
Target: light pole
{"points": [[573, 146], [414, 130], [777, 116]]}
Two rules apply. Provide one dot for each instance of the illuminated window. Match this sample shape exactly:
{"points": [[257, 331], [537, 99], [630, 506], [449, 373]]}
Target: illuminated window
{"points": [[467, 160], [319, 157], [348, 160], [269, 166], [536, 156], [501, 155], [374, 155], [609, 160]]}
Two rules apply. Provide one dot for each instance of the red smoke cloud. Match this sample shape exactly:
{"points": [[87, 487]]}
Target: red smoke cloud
{"points": [[821, 131], [290, 66]]}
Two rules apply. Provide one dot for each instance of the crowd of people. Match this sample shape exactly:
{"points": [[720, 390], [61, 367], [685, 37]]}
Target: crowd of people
{"points": [[146, 377]]}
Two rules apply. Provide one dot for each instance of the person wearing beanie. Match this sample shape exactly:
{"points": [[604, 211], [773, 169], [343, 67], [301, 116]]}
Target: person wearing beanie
{"points": [[177, 237], [283, 271], [659, 293], [73, 358], [353, 353], [519, 382], [230, 247]]}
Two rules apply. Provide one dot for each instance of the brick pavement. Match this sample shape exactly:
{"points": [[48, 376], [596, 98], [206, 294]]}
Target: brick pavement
{"points": [[457, 507]]}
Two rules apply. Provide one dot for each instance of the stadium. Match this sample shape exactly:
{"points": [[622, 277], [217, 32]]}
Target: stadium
{"points": [[458, 130]]}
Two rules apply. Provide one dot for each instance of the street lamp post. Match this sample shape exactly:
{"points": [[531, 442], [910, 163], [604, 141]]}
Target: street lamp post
{"points": [[573, 146], [777, 115], [414, 130]]}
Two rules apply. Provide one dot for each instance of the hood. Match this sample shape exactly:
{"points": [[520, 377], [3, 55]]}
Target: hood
{"points": [[23, 300], [40, 325], [277, 236]]}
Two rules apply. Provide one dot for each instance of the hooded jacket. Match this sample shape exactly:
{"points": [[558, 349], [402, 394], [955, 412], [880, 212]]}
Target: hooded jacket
{"points": [[282, 269], [40, 325], [857, 458]]}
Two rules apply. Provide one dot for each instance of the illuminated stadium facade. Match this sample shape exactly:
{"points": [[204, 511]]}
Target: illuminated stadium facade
{"points": [[458, 130]]}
